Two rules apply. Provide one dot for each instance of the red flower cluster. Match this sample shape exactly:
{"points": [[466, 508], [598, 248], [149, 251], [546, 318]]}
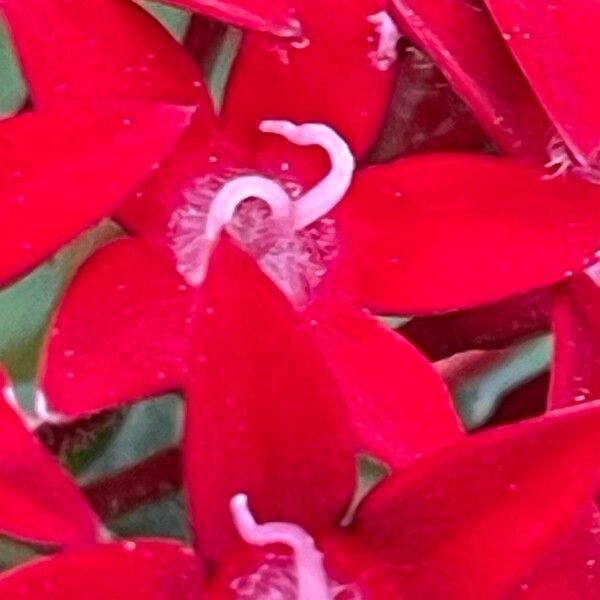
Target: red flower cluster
{"points": [[260, 238]]}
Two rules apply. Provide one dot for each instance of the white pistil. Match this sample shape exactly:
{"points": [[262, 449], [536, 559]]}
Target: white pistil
{"points": [[311, 576], [234, 192], [386, 53], [222, 210], [319, 200]]}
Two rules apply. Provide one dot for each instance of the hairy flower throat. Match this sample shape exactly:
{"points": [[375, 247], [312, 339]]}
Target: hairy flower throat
{"points": [[198, 225], [311, 578]]}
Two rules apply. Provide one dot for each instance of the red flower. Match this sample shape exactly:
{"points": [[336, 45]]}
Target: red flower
{"points": [[360, 249], [271, 366], [528, 71], [149, 285], [497, 514]]}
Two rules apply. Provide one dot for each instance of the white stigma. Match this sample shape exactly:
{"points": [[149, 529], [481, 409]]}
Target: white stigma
{"points": [[236, 191], [322, 198], [222, 210], [386, 53], [312, 579]]}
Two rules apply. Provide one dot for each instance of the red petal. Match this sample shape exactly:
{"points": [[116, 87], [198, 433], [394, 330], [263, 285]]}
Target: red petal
{"points": [[485, 327], [186, 177], [328, 77], [462, 38], [144, 570], [273, 16], [435, 233], [470, 522], [575, 370], [61, 171], [399, 406], [100, 49], [120, 332], [572, 568], [38, 501], [264, 415], [425, 113], [557, 45]]}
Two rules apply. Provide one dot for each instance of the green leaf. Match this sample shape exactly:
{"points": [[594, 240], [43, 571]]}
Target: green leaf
{"points": [[478, 397], [13, 553], [174, 19], [13, 91], [166, 517], [147, 428], [26, 305]]}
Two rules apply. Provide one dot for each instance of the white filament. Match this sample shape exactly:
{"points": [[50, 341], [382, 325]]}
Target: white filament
{"points": [[8, 393], [319, 200], [558, 158], [312, 579], [11, 399], [43, 412], [236, 191]]}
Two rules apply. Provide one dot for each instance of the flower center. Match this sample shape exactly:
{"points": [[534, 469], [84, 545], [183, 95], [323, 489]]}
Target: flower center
{"points": [[300, 577], [222, 211], [288, 235]]}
